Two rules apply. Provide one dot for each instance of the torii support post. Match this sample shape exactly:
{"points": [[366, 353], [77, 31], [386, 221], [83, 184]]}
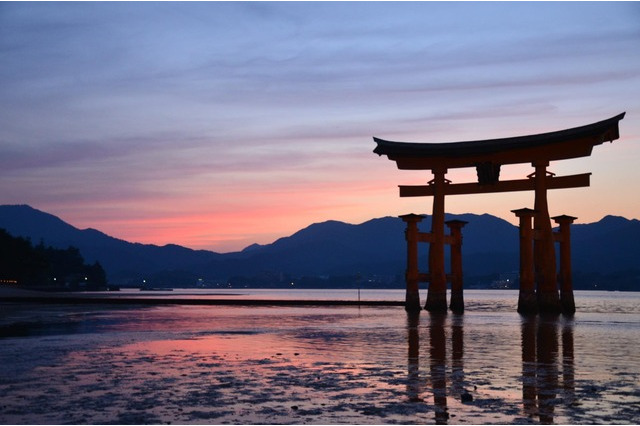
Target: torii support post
{"points": [[527, 303], [543, 245], [412, 277], [457, 299], [437, 293], [566, 283]]}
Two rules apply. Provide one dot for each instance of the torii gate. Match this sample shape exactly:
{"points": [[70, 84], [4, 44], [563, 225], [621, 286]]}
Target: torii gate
{"points": [[537, 251]]}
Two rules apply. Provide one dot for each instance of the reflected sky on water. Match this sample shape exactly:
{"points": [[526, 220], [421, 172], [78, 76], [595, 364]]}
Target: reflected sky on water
{"points": [[200, 364]]}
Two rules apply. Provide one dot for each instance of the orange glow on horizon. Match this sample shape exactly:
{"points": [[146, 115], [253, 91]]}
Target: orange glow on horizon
{"points": [[261, 206]]}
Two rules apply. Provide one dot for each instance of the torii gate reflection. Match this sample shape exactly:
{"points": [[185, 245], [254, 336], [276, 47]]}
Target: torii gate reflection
{"points": [[541, 370], [538, 288]]}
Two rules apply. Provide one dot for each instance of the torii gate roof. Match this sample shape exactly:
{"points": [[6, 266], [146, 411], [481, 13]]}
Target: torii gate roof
{"points": [[559, 145]]}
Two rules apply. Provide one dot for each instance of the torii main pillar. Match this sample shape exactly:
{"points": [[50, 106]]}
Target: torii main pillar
{"points": [[437, 293], [543, 245]]}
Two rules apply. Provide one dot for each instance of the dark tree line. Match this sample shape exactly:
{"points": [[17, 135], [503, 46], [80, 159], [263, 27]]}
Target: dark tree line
{"points": [[38, 266]]}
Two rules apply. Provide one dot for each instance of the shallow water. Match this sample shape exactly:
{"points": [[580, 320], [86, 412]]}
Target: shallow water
{"points": [[322, 365]]}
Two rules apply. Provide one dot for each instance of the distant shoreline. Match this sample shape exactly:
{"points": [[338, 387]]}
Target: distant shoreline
{"points": [[203, 302], [38, 297]]}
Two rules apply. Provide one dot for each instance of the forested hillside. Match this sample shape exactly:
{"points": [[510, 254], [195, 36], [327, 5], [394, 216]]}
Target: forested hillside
{"points": [[25, 265]]}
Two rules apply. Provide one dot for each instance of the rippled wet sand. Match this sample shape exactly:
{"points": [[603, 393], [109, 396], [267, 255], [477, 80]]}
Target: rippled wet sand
{"points": [[266, 365]]}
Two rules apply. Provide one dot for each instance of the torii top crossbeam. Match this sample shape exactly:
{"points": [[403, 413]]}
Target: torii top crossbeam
{"points": [[559, 145]]}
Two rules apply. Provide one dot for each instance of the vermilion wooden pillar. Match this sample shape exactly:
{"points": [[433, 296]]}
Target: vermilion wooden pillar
{"points": [[457, 299], [437, 293], [412, 299], [566, 284], [527, 303], [543, 245]]}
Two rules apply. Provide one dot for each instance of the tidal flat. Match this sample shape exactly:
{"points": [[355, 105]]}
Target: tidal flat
{"points": [[321, 365]]}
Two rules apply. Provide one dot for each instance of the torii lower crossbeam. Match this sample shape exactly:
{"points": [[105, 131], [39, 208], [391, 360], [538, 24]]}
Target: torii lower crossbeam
{"points": [[552, 182]]}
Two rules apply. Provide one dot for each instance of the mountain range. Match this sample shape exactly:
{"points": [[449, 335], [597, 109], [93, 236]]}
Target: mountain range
{"points": [[606, 254]]}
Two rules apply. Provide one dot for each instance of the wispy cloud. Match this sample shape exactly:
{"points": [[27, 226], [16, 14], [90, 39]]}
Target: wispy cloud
{"points": [[168, 112]]}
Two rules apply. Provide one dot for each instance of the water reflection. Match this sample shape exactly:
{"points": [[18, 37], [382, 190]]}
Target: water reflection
{"points": [[540, 366], [438, 366], [568, 378], [414, 387], [437, 361], [546, 367], [457, 355], [543, 365]]}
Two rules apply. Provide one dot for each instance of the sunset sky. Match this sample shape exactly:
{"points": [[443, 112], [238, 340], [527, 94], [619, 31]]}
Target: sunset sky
{"points": [[219, 125]]}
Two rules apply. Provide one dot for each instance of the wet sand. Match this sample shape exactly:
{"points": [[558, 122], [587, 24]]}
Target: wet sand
{"points": [[312, 365]]}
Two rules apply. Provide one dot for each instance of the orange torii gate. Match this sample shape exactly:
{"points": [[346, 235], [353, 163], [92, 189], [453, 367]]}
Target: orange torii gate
{"points": [[538, 275]]}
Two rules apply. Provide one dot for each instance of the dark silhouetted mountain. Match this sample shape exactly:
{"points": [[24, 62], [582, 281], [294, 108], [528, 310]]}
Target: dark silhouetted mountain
{"points": [[607, 246], [119, 258], [376, 247]]}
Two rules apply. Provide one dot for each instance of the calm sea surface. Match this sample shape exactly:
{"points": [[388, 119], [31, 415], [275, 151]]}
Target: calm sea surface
{"points": [[107, 364]]}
